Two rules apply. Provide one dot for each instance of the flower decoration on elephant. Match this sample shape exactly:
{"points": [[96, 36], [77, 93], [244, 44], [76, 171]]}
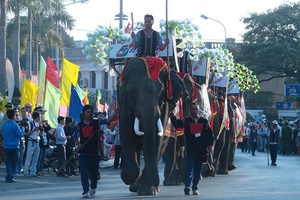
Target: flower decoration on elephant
{"points": [[97, 47]]}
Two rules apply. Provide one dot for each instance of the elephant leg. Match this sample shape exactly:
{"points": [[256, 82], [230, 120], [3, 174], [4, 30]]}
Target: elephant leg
{"points": [[223, 161], [174, 163], [170, 159], [149, 181], [231, 163], [219, 145], [131, 169]]}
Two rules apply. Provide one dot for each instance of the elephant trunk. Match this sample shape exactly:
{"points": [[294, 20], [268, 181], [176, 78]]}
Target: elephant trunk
{"points": [[139, 133], [137, 127]]}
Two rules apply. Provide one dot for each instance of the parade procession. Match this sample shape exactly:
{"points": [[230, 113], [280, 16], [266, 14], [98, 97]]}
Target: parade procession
{"points": [[180, 118]]}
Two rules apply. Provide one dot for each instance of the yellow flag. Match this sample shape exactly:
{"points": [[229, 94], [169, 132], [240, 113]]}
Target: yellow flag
{"points": [[69, 76], [28, 93]]}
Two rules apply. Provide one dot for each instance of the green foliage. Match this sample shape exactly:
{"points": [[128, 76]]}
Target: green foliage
{"points": [[271, 42]]}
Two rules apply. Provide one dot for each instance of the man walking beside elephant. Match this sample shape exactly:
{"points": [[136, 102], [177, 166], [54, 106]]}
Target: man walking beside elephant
{"points": [[199, 140]]}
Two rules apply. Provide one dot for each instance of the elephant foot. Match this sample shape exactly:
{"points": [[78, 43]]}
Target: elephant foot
{"points": [[207, 170], [222, 171], [231, 167], [130, 176], [171, 182], [133, 187], [148, 191]]}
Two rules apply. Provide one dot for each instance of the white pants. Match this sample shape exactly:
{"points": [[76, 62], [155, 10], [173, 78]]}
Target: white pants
{"points": [[33, 150]]}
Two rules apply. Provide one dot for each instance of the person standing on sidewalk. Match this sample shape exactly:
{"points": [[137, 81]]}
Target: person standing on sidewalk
{"points": [[253, 139], [70, 146], [287, 134], [61, 141], [273, 140], [11, 133], [33, 146], [199, 139]]}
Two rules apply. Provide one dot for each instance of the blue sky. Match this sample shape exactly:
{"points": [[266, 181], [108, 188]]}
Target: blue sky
{"points": [[99, 12]]}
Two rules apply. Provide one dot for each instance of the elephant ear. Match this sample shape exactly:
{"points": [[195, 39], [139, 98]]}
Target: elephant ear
{"points": [[178, 87]]}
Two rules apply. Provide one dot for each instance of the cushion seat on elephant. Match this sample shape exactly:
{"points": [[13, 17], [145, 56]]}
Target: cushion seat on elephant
{"points": [[154, 65]]}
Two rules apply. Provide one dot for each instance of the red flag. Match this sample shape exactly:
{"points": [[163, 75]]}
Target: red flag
{"points": [[52, 72]]}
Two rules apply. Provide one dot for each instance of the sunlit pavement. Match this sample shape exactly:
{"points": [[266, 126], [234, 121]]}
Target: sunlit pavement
{"points": [[252, 180]]}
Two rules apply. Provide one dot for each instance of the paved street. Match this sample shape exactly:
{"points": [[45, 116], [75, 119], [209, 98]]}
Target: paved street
{"points": [[253, 179]]}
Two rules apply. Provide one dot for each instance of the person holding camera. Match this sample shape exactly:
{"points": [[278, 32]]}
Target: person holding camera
{"points": [[33, 146], [44, 145]]}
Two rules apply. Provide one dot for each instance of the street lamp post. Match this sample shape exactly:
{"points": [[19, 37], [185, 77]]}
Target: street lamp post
{"points": [[57, 48], [121, 16], [205, 17]]}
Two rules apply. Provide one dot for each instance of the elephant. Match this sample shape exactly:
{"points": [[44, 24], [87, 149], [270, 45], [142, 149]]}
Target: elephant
{"points": [[174, 154], [224, 145], [144, 111]]}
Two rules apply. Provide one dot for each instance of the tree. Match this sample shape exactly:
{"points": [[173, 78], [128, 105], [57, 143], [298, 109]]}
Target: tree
{"points": [[271, 42], [3, 4], [40, 25]]}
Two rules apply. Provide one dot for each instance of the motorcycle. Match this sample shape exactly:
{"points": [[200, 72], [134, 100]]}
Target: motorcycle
{"points": [[51, 158]]}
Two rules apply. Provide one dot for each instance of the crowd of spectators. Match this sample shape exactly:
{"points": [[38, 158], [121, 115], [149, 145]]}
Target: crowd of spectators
{"points": [[258, 136]]}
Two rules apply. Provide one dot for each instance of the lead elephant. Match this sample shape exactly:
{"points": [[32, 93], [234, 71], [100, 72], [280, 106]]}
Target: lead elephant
{"points": [[143, 102]]}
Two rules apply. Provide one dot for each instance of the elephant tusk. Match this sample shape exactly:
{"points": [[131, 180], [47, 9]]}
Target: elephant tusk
{"points": [[137, 127], [160, 127]]}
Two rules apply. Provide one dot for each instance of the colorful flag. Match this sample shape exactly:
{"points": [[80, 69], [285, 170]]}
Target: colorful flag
{"points": [[243, 107], [28, 93], [99, 96], [106, 107], [52, 72], [85, 100], [225, 120], [51, 103], [75, 108], [80, 92], [41, 84], [69, 76]]}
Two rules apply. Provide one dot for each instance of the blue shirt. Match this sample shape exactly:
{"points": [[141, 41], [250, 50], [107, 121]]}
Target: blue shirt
{"points": [[11, 133]]}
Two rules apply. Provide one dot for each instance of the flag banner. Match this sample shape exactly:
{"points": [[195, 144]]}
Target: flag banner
{"points": [[80, 92], [63, 110], [10, 79], [52, 72], [69, 76], [220, 82], [199, 67], [28, 93], [243, 107], [205, 107], [75, 108], [225, 119], [99, 96], [85, 100], [41, 82], [51, 103], [101, 108], [106, 107]]}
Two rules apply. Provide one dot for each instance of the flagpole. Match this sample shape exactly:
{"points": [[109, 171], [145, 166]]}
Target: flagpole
{"points": [[167, 35]]}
